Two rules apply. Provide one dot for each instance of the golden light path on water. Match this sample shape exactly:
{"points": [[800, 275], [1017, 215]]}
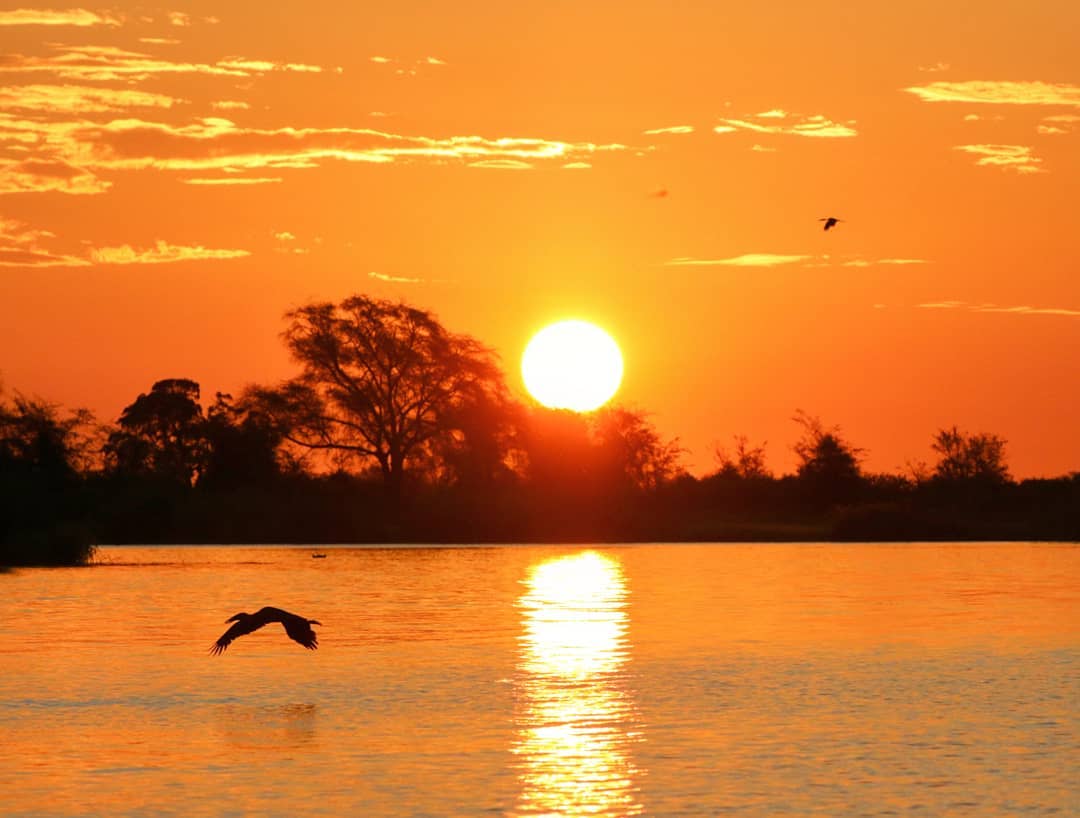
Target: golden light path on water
{"points": [[576, 721]]}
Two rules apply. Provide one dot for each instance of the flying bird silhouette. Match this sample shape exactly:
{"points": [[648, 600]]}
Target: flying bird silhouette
{"points": [[830, 222], [297, 627]]}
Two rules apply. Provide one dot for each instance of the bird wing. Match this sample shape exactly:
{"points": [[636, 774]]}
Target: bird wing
{"points": [[300, 631], [244, 626]]}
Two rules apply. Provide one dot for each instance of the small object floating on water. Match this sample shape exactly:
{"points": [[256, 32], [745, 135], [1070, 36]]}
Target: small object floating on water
{"points": [[831, 221], [297, 627], [318, 556]]}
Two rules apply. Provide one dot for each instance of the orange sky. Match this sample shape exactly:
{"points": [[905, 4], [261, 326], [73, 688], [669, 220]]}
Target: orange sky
{"points": [[172, 181]]}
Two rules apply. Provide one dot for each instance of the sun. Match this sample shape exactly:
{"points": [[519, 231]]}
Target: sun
{"points": [[572, 365]]}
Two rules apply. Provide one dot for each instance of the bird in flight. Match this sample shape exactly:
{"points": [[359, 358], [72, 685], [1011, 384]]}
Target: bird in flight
{"points": [[832, 221], [298, 628]]}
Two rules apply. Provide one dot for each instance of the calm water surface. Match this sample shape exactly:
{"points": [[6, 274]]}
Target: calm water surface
{"points": [[658, 680]]}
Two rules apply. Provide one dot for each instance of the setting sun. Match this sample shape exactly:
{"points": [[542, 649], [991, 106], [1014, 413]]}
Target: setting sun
{"points": [[572, 365]]}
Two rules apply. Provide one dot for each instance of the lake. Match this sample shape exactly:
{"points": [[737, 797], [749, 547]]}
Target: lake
{"points": [[666, 680]]}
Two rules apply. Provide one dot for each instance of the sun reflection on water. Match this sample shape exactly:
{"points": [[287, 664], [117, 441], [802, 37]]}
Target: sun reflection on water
{"points": [[575, 719]]}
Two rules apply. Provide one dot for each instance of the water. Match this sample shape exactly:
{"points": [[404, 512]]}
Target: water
{"points": [[690, 680]]}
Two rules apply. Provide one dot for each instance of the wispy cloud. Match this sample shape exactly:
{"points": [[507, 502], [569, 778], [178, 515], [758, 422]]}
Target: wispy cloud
{"points": [[161, 253], [235, 180], [503, 164], [778, 121], [745, 260], [67, 17], [999, 92], [674, 129], [21, 246], [107, 63], [214, 143], [179, 18], [395, 279], [1018, 158], [577, 166], [159, 40], [230, 105], [78, 99], [865, 262], [1060, 124], [997, 308], [762, 149], [935, 68], [43, 175], [775, 259]]}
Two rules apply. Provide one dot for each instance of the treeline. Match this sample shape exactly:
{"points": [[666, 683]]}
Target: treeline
{"points": [[397, 430]]}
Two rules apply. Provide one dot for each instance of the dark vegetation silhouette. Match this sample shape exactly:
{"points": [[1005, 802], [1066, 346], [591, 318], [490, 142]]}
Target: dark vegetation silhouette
{"points": [[397, 430], [297, 627]]}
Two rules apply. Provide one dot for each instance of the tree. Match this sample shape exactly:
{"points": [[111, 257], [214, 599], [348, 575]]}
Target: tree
{"points": [[43, 456], [161, 434], [828, 464], [744, 462], [379, 380], [35, 439], [631, 449], [978, 457], [241, 445]]}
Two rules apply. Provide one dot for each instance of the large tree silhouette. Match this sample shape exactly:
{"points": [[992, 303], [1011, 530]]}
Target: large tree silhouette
{"points": [[161, 434], [828, 464], [380, 380], [974, 457]]}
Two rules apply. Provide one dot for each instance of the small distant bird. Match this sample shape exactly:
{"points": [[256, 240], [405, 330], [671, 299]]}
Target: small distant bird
{"points": [[830, 222], [298, 628], [659, 194]]}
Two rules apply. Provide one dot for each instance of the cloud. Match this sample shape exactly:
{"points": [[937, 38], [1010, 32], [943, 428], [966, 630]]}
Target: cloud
{"points": [[395, 279], [236, 180], [68, 17], [1018, 158], [677, 129], [285, 235], [42, 175], [380, 59], [159, 40], [1060, 124], [435, 61], [935, 68], [161, 253], [781, 122], [503, 164], [995, 308], [762, 149], [229, 105], [107, 63], [214, 143], [266, 66], [179, 18], [745, 260], [78, 99], [775, 259], [577, 166], [20, 246], [999, 92], [862, 262]]}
